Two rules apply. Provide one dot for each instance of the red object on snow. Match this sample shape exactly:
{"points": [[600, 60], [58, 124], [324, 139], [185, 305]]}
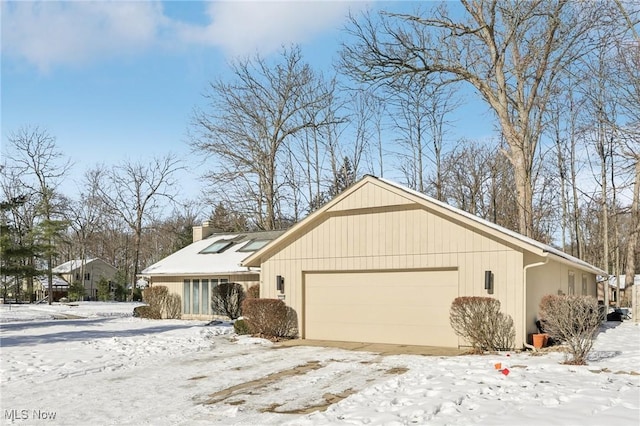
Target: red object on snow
{"points": [[505, 371]]}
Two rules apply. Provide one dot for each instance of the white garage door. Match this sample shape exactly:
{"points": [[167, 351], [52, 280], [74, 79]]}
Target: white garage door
{"points": [[400, 307]]}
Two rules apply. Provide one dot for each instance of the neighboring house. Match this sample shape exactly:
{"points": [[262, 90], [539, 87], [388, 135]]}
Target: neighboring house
{"points": [[622, 298], [41, 287], [89, 272], [382, 263], [212, 259]]}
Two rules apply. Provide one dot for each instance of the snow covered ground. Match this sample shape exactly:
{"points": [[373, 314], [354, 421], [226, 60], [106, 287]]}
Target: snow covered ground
{"points": [[109, 368]]}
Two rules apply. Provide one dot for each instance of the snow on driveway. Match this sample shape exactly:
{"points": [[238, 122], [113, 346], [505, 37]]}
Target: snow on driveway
{"points": [[110, 368]]}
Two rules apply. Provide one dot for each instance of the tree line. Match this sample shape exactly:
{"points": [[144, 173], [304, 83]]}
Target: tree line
{"points": [[560, 83]]}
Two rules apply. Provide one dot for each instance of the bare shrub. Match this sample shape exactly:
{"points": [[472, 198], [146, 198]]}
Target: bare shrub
{"points": [[146, 312], [270, 318], [159, 299], [227, 298], [155, 296], [254, 292], [479, 321], [173, 306], [573, 320]]}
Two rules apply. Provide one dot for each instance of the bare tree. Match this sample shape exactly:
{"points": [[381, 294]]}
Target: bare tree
{"points": [[132, 191], [420, 106], [250, 120], [512, 53], [41, 168]]}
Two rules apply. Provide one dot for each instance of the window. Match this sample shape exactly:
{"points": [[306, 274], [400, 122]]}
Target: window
{"points": [[254, 245], [585, 291], [572, 283], [206, 304], [186, 297], [196, 295], [87, 276], [217, 247]]}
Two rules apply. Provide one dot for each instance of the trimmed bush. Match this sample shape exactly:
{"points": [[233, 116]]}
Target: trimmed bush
{"points": [[226, 299], [146, 312], [573, 320], [479, 321], [173, 306], [159, 299], [241, 327], [271, 318], [253, 292]]}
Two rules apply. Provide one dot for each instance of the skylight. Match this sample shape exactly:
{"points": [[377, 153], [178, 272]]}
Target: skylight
{"points": [[217, 247], [254, 245]]}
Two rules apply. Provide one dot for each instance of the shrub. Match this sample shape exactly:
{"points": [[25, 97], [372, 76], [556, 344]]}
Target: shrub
{"points": [[241, 327], [573, 320], [159, 299], [226, 299], [173, 306], [146, 312], [76, 291], [254, 292], [104, 290], [270, 318], [479, 321]]}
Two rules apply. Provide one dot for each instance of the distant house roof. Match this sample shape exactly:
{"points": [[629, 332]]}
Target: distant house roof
{"points": [[216, 254], [72, 265], [57, 282], [613, 281]]}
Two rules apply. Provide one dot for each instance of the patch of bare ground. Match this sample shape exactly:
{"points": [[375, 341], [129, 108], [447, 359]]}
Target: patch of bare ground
{"points": [[340, 380], [329, 399], [262, 382], [397, 370]]}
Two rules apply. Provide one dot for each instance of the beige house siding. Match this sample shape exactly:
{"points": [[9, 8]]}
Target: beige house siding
{"points": [[553, 278], [378, 226], [97, 269], [397, 238], [175, 285]]}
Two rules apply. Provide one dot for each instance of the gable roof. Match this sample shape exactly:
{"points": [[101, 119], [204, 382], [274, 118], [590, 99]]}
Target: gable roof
{"points": [[72, 265], [519, 240], [216, 254]]}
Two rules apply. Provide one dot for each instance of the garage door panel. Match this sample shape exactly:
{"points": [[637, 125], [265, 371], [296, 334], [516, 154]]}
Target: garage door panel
{"points": [[402, 307]]}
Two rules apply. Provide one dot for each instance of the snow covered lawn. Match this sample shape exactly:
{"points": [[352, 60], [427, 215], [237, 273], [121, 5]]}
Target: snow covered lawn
{"points": [[109, 368]]}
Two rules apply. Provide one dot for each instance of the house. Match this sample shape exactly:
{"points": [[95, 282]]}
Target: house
{"points": [[213, 258], [622, 299], [382, 263], [87, 271], [41, 287]]}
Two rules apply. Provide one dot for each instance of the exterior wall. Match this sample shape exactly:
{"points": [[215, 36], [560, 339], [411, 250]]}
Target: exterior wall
{"points": [[175, 285], [553, 278], [97, 270], [393, 233]]}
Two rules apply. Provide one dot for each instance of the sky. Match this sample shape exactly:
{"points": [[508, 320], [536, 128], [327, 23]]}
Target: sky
{"points": [[114, 81]]}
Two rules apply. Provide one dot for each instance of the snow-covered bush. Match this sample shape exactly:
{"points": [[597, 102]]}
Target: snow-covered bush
{"points": [[573, 320], [270, 318], [479, 321], [226, 299]]}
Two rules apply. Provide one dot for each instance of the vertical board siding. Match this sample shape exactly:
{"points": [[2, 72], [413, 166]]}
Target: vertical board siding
{"points": [[398, 238]]}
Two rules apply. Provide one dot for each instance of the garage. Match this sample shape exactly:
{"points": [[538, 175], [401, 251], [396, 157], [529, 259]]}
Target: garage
{"points": [[401, 307]]}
